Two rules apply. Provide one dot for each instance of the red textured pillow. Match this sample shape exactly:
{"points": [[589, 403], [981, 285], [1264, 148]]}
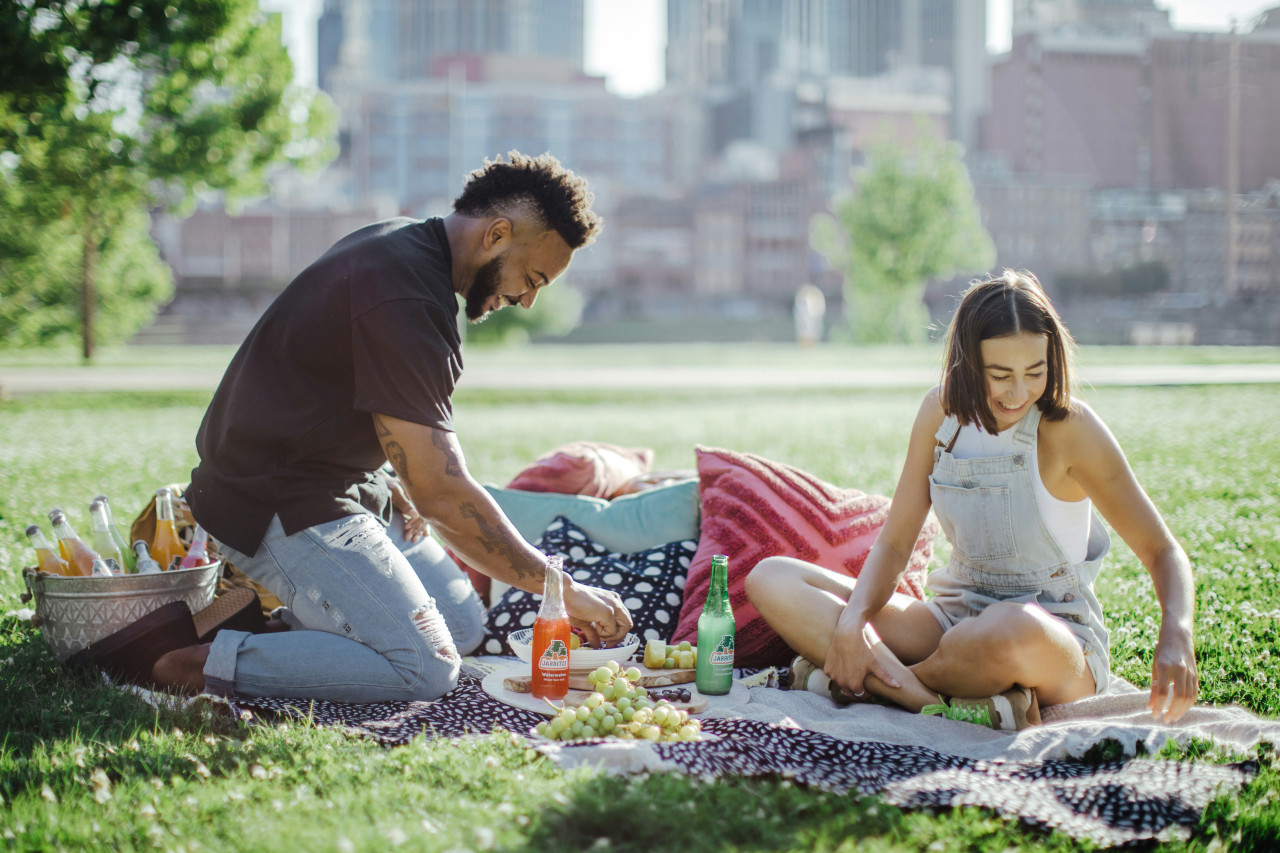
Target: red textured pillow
{"points": [[585, 468], [753, 508]]}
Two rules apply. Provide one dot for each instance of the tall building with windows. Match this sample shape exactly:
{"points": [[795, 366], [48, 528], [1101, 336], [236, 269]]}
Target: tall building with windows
{"points": [[745, 54], [391, 40]]}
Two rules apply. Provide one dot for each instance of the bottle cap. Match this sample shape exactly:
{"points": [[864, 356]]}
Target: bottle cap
{"points": [[33, 529]]}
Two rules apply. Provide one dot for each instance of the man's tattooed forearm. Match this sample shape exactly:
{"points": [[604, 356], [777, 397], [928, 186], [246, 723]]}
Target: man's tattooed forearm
{"points": [[399, 461], [452, 467], [491, 538]]}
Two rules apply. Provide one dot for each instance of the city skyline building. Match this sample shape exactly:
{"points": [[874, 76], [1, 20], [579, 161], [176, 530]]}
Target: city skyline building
{"points": [[396, 40], [1103, 139]]}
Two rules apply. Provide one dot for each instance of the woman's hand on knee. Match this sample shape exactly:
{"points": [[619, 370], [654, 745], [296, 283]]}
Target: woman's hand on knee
{"points": [[851, 659]]}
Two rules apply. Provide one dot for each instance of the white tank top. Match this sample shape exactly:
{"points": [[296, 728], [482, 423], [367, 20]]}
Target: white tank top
{"points": [[1068, 521]]}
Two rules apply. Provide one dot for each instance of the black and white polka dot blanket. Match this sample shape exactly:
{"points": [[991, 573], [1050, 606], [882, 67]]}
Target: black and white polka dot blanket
{"points": [[1109, 803]]}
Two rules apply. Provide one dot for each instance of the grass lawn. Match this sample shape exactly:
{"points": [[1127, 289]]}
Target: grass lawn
{"points": [[84, 767]]}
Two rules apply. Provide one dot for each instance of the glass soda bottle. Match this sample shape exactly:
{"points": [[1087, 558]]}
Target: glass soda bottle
{"points": [[75, 552], [103, 543], [714, 675], [146, 565], [47, 559], [130, 562], [167, 544], [551, 636], [198, 553]]}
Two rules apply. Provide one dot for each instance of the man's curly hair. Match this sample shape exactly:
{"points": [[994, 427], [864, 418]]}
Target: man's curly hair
{"points": [[551, 194]]}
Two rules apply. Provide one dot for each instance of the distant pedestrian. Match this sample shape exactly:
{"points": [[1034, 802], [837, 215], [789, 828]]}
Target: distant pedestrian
{"points": [[809, 312]]}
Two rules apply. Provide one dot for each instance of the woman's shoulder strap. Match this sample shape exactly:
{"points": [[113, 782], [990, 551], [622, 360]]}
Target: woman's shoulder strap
{"points": [[947, 433], [1027, 429]]}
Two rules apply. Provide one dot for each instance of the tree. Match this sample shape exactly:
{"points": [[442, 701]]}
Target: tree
{"points": [[911, 218], [110, 107]]}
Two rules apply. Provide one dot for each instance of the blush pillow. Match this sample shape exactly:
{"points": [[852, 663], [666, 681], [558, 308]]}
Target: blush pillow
{"points": [[649, 582], [754, 508], [589, 468]]}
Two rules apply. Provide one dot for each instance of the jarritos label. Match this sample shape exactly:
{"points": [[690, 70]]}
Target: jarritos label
{"points": [[722, 654], [556, 656]]}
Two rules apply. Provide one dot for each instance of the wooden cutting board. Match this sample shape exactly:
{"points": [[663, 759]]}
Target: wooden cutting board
{"points": [[649, 678]]}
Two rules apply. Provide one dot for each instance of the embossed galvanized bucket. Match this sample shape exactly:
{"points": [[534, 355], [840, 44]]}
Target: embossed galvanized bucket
{"points": [[74, 612]]}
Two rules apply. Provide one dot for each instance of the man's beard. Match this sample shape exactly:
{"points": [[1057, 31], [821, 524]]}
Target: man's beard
{"points": [[483, 288]]}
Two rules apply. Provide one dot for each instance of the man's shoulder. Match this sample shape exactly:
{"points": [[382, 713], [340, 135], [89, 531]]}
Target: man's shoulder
{"points": [[396, 259], [389, 241]]}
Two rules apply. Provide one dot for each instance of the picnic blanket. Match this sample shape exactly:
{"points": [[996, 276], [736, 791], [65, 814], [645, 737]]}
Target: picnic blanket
{"points": [[1035, 776]]}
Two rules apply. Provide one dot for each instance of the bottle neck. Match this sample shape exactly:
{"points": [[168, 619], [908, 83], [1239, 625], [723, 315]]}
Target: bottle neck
{"points": [[553, 589], [38, 540], [164, 508], [718, 591], [106, 509]]}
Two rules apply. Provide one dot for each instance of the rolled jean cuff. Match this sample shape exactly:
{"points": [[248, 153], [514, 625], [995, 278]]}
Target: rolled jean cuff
{"points": [[220, 666]]}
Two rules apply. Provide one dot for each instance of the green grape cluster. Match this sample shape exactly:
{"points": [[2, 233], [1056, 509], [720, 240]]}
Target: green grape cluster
{"points": [[620, 709]]}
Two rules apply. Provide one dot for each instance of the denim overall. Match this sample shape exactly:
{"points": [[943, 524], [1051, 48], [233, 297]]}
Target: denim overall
{"points": [[1001, 549]]}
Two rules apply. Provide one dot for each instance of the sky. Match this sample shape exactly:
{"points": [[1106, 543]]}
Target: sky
{"points": [[626, 38]]}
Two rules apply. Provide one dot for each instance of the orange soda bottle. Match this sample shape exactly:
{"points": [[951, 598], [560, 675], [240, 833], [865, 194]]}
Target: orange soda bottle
{"points": [[47, 559], [75, 552], [551, 636], [198, 553], [167, 544]]}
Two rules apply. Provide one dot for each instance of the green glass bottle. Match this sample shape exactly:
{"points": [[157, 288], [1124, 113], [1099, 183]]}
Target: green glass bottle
{"points": [[130, 559], [714, 675]]}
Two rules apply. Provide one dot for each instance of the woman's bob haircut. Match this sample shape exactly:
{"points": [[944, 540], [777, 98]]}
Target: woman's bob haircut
{"points": [[999, 307]]}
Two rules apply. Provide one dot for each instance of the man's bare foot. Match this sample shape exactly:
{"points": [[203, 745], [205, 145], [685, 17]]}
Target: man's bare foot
{"points": [[181, 670]]}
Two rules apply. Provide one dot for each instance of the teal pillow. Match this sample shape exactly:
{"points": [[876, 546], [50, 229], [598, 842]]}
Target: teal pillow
{"points": [[623, 525]]}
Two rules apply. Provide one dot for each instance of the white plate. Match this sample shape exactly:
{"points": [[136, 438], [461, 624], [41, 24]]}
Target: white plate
{"points": [[581, 659]]}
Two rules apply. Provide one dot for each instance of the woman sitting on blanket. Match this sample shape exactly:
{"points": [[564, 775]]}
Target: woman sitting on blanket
{"points": [[1013, 466]]}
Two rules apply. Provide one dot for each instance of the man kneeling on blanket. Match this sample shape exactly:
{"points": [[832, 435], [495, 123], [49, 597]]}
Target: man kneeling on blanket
{"points": [[354, 364]]}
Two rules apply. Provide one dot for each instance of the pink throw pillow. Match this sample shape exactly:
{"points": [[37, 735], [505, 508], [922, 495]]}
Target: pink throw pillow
{"points": [[585, 468], [754, 508]]}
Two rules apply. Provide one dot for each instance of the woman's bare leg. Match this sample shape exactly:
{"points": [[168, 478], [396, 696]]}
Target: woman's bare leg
{"points": [[803, 603], [1009, 644]]}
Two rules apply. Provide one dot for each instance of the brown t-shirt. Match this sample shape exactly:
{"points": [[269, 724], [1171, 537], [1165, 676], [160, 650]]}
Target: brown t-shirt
{"points": [[369, 327]]}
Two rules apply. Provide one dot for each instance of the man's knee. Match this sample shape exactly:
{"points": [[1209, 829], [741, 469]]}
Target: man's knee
{"points": [[431, 670], [433, 684]]}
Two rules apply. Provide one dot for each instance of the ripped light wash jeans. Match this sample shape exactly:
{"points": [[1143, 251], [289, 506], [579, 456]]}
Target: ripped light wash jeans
{"points": [[371, 615]]}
